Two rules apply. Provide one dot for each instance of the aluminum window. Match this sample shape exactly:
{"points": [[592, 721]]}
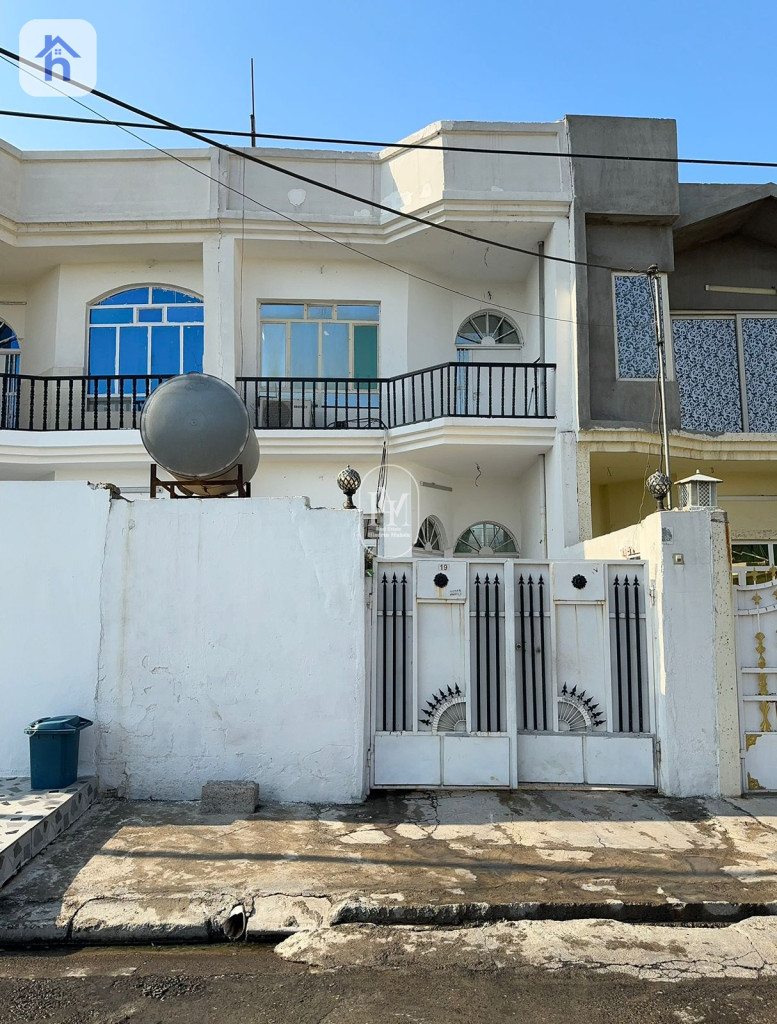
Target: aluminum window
{"points": [[319, 339]]}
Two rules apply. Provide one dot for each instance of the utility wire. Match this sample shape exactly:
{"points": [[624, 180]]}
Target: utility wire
{"points": [[316, 231], [249, 155], [443, 147]]}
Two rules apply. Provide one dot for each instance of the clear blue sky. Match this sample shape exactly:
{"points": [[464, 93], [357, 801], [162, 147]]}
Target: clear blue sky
{"points": [[365, 69]]}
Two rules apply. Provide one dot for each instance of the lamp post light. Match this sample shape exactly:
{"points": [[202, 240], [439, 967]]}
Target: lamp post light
{"points": [[349, 483], [698, 491]]}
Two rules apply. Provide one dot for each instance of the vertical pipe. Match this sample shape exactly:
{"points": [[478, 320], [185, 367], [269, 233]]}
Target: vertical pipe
{"points": [[655, 288], [384, 639], [627, 622], [638, 642], [544, 505], [488, 654], [542, 655], [477, 651], [404, 652], [70, 386], [497, 657], [541, 290], [523, 651], [533, 661], [57, 403], [394, 652], [618, 654]]}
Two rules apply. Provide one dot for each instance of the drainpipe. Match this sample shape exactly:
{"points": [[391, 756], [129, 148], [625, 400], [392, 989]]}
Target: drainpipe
{"points": [[541, 274], [543, 506]]}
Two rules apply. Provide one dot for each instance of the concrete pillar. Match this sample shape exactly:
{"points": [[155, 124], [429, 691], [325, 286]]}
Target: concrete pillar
{"points": [[221, 266]]}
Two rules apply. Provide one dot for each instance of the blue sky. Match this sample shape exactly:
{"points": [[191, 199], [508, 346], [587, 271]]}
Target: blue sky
{"points": [[364, 69]]}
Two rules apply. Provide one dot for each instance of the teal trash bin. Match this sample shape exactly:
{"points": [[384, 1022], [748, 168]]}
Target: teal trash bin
{"points": [[54, 750]]}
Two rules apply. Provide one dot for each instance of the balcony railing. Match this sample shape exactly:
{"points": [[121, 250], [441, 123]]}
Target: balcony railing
{"points": [[491, 390]]}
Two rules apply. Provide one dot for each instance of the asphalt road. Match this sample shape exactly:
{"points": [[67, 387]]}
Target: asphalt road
{"points": [[250, 984]]}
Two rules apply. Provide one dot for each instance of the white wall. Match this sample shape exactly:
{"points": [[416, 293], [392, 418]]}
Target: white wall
{"points": [[695, 668], [53, 548], [206, 639]]}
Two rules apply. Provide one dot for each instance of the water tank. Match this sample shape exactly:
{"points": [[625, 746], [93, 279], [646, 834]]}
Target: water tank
{"points": [[197, 428]]}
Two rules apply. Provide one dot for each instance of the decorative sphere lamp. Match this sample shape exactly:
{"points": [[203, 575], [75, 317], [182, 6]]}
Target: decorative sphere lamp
{"points": [[349, 483], [659, 486]]}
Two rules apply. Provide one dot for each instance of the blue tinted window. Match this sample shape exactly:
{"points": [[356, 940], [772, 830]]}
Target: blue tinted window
{"points": [[319, 312], [279, 312], [8, 339], [102, 350], [150, 316], [193, 344], [165, 350], [133, 351], [111, 316], [164, 296], [335, 351], [184, 314], [358, 313], [304, 350], [274, 350], [131, 297]]}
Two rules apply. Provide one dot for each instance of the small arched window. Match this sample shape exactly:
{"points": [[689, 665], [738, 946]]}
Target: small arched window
{"points": [[486, 539], [9, 349], [488, 328], [431, 538], [145, 331]]}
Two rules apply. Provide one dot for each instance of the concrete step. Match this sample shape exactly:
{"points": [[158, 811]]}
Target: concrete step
{"points": [[31, 819]]}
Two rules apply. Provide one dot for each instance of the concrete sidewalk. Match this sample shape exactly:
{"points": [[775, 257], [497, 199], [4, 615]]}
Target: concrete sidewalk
{"points": [[132, 871]]}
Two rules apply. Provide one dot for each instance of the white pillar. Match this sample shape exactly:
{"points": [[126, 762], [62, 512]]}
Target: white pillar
{"points": [[221, 265]]}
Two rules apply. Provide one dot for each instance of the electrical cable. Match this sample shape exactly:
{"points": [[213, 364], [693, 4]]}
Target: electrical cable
{"points": [[295, 175], [443, 147]]}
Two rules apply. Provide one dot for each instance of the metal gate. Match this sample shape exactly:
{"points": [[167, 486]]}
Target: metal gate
{"points": [[756, 643], [492, 672]]}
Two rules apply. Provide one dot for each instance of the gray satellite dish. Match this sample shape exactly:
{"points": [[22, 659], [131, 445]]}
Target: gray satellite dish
{"points": [[197, 428]]}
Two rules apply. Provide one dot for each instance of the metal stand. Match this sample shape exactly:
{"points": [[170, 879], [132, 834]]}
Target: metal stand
{"points": [[173, 487]]}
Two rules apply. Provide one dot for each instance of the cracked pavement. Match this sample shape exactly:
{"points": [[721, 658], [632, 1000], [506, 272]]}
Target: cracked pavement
{"points": [[147, 871]]}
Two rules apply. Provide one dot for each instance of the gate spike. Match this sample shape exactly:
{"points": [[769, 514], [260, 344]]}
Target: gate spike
{"points": [[573, 691]]}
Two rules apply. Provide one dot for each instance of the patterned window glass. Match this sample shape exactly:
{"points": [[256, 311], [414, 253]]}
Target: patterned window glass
{"points": [[707, 370], [486, 539], [759, 339], [635, 327], [140, 332]]}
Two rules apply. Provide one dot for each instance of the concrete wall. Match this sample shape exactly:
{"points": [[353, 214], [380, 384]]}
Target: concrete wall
{"points": [[207, 640], [694, 661]]}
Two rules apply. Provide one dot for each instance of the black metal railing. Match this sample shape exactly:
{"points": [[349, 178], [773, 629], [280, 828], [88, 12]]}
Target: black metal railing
{"points": [[630, 675], [532, 655], [73, 403], [490, 390], [488, 655], [394, 672]]}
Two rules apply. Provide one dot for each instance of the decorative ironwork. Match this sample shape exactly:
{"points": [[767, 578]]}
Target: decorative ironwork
{"points": [[753, 783], [430, 536], [533, 663], [446, 711], [394, 673], [766, 725], [488, 655], [750, 740], [576, 712], [579, 582], [629, 675], [349, 483], [659, 485], [759, 646]]}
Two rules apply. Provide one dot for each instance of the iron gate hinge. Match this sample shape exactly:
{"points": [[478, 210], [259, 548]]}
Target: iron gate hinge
{"points": [[652, 593]]}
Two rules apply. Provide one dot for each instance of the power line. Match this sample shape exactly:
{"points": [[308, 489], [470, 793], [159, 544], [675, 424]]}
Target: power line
{"points": [[249, 155], [443, 147]]}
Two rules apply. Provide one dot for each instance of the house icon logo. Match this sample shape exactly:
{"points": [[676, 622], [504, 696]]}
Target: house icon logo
{"points": [[59, 57], [52, 52]]}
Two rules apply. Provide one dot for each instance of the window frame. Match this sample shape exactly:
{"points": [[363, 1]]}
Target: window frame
{"points": [[481, 346], [193, 300], [494, 554], [321, 322]]}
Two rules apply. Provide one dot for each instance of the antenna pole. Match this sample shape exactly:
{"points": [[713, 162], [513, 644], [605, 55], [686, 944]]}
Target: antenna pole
{"points": [[253, 106]]}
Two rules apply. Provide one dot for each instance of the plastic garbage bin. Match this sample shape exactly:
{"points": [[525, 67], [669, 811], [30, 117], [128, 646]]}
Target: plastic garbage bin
{"points": [[54, 750]]}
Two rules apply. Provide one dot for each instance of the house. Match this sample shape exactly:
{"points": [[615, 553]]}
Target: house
{"points": [[497, 393]]}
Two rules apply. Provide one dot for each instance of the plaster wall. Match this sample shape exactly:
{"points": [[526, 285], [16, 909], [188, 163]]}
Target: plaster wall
{"points": [[50, 626], [694, 664], [10, 175], [38, 351], [736, 262], [233, 647]]}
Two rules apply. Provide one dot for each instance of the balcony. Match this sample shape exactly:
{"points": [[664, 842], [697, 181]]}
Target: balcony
{"points": [[511, 391]]}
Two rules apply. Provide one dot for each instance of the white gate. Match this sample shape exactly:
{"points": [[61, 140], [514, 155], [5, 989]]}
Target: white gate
{"points": [[494, 672], [756, 615]]}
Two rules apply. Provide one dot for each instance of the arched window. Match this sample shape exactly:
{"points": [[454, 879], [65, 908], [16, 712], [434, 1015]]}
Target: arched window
{"points": [[486, 539], [431, 538], [9, 349], [145, 331], [488, 328]]}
